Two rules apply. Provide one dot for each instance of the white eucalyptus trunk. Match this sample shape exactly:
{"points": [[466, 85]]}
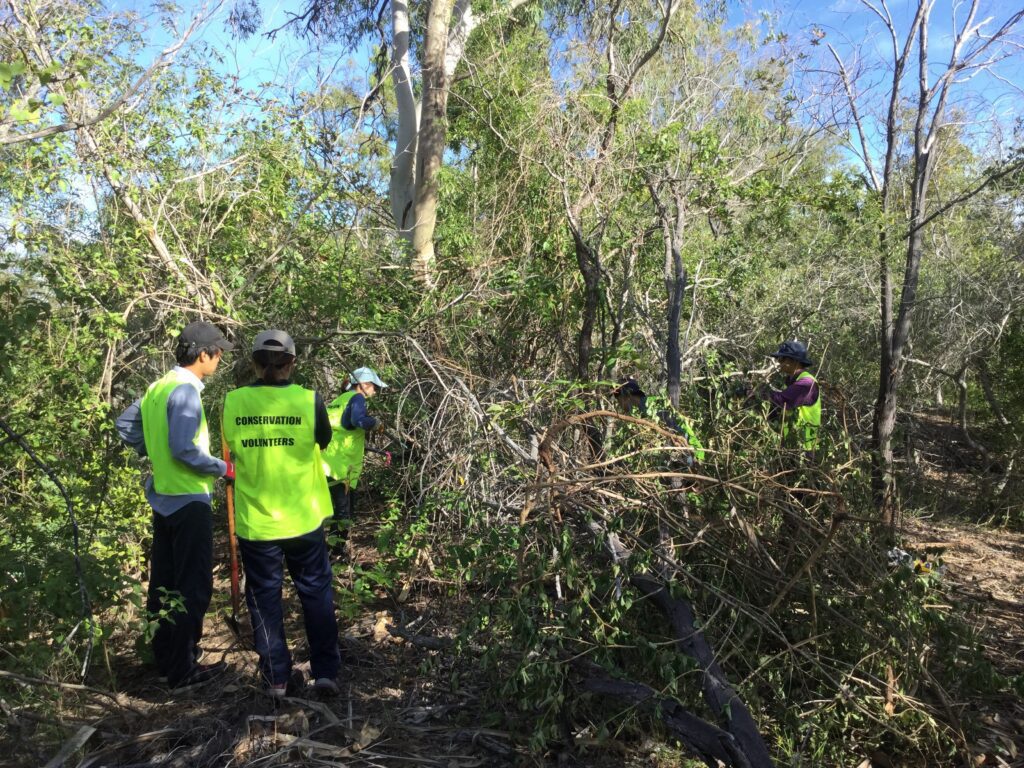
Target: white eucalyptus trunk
{"points": [[422, 128], [403, 168]]}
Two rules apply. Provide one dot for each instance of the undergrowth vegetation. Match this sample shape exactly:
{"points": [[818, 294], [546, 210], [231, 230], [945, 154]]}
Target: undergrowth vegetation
{"points": [[839, 649], [624, 189]]}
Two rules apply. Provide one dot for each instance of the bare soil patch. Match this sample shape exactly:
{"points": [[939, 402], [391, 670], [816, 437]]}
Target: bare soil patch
{"points": [[986, 575]]}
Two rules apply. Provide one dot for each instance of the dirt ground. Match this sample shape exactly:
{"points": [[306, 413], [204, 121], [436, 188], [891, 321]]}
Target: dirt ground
{"points": [[404, 704], [985, 568], [396, 707]]}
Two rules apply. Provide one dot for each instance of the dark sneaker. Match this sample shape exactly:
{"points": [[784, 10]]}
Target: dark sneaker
{"points": [[201, 673], [326, 688], [197, 655]]}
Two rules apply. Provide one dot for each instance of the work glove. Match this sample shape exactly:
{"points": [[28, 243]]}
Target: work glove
{"points": [[229, 473]]}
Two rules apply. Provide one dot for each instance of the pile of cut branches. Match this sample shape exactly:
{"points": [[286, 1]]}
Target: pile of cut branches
{"points": [[614, 585]]}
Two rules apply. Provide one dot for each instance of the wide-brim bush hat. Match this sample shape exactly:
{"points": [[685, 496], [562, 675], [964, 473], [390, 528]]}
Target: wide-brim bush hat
{"points": [[366, 376], [794, 350]]}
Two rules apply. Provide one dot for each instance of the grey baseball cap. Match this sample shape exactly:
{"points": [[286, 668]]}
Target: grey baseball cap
{"points": [[203, 334], [364, 375], [274, 341]]}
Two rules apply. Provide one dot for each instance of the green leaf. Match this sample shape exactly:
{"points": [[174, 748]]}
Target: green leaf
{"points": [[12, 70], [48, 74], [56, 99], [21, 114]]}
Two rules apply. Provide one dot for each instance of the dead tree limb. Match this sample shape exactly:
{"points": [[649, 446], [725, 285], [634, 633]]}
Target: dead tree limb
{"points": [[713, 745], [422, 641], [718, 693]]}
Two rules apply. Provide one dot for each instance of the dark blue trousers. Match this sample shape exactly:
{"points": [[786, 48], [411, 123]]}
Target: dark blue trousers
{"points": [[310, 569], [344, 504], [181, 564]]}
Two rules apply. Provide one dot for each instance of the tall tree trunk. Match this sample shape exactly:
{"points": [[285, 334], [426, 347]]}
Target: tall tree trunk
{"points": [[675, 288], [891, 369], [430, 148], [967, 55], [419, 147], [403, 168], [590, 268], [882, 481]]}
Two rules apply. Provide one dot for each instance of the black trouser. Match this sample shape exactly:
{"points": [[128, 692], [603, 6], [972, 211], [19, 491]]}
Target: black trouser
{"points": [[181, 563], [306, 559], [343, 500]]}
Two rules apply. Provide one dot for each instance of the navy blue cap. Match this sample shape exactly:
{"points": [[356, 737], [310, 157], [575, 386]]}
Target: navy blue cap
{"points": [[794, 350]]}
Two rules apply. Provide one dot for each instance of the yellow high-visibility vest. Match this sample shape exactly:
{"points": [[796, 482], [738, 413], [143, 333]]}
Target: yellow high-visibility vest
{"points": [[343, 458], [280, 488], [170, 476], [806, 419]]}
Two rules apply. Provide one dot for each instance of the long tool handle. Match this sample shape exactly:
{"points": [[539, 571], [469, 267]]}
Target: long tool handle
{"points": [[230, 492]]}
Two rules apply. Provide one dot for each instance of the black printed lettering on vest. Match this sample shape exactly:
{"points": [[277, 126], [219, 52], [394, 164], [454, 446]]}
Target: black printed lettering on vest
{"points": [[255, 421], [267, 442]]}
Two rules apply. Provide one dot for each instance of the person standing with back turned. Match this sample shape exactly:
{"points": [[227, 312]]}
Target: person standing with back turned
{"points": [[168, 424], [275, 431]]}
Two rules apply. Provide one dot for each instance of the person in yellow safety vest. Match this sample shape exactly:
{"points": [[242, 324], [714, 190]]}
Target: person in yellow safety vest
{"points": [[632, 400], [799, 404], [343, 459], [168, 424], [275, 431]]}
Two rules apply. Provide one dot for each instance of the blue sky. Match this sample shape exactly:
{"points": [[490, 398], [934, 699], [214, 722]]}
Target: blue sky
{"points": [[991, 103], [846, 23], [850, 27], [288, 63]]}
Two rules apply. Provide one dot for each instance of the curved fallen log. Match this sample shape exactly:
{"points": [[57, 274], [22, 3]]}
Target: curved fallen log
{"points": [[718, 693], [705, 740]]}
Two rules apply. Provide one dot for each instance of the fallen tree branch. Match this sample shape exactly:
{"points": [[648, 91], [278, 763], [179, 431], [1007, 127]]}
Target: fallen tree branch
{"points": [[713, 745], [544, 451], [423, 641], [71, 746], [118, 698], [718, 693], [97, 758]]}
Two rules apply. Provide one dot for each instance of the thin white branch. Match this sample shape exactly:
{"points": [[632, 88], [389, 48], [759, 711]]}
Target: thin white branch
{"points": [[162, 61]]}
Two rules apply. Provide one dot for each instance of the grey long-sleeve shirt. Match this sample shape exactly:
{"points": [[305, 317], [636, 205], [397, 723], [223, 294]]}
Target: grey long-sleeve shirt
{"points": [[184, 413]]}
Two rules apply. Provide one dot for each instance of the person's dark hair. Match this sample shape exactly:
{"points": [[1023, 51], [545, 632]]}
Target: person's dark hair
{"points": [[186, 353], [273, 364]]}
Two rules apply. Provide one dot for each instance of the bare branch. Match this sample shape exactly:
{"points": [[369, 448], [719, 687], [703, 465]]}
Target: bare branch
{"points": [[162, 61]]}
